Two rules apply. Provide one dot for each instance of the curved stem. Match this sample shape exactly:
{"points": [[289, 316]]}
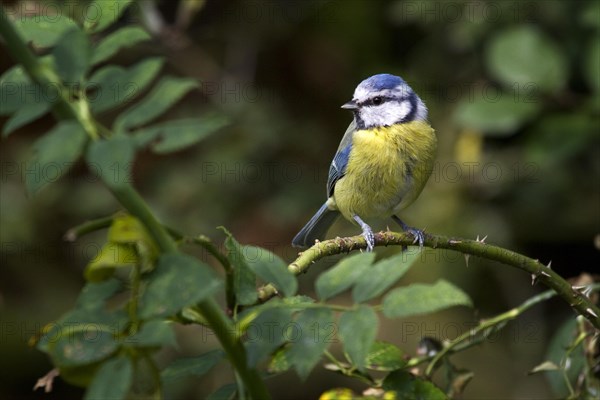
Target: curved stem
{"points": [[132, 201], [211, 311], [580, 303], [209, 246], [87, 227], [488, 325]]}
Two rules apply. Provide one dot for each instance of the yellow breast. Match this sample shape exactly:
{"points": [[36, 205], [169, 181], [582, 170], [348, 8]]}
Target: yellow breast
{"points": [[387, 169]]}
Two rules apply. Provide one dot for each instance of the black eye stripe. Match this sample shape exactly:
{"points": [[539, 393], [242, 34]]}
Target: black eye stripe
{"points": [[383, 99]]}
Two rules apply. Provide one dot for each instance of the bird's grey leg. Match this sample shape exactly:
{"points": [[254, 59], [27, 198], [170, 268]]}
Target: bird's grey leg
{"points": [[417, 233], [367, 232]]}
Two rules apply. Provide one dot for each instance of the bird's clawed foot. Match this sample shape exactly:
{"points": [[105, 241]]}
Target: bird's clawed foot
{"points": [[367, 233], [417, 233]]}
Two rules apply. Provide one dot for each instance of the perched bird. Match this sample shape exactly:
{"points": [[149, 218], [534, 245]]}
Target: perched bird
{"points": [[383, 162]]}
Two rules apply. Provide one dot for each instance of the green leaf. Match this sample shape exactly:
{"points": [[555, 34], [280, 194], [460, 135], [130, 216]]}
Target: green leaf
{"points": [[110, 257], [313, 334], [83, 344], [93, 296], [17, 75], [44, 30], [271, 268], [179, 134], [409, 387], [72, 55], [125, 37], [112, 159], [108, 12], [295, 303], [343, 275], [544, 367], [358, 329], [592, 64], [225, 392], [129, 244], [192, 366], [90, 312], [16, 95], [244, 280], [18, 91], [54, 154], [279, 362], [126, 229], [523, 55], [164, 95], [420, 299], [112, 381], [383, 275], [113, 86], [81, 375], [178, 281], [500, 115], [559, 343], [153, 333], [266, 333], [385, 356], [25, 114]]}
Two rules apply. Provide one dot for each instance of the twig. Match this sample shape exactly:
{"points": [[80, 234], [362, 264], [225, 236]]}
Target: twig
{"points": [[542, 273], [87, 227], [488, 324]]}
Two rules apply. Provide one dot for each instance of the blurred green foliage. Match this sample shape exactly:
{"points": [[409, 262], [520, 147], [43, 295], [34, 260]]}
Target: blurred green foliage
{"points": [[513, 90]]}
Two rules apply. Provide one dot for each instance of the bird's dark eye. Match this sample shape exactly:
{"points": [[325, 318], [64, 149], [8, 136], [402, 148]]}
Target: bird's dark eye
{"points": [[377, 100]]}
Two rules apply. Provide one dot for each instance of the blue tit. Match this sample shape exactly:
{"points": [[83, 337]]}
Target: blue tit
{"points": [[382, 163]]}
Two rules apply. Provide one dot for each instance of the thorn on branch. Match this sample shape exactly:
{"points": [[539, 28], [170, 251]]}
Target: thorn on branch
{"points": [[481, 240], [70, 236], [587, 291]]}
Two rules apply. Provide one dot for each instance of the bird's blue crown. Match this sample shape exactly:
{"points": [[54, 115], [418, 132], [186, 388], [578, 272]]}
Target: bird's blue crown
{"points": [[383, 81]]}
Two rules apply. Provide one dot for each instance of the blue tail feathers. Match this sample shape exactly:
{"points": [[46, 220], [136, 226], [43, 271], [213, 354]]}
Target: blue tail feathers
{"points": [[316, 228]]}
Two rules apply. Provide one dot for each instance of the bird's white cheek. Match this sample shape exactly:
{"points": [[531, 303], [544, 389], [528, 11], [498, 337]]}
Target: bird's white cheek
{"points": [[387, 113]]}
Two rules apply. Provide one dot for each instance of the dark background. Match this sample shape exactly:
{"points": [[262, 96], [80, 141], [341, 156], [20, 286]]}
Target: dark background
{"points": [[514, 95]]}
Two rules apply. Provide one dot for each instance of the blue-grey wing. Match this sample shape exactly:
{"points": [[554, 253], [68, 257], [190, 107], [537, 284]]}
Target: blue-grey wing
{"points": [[340, 161]]}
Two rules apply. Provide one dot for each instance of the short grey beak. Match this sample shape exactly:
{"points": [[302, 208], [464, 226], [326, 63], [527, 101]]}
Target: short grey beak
{"points": [[351, 105]]}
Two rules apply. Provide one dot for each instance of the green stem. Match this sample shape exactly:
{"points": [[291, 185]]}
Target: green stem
{"points": [[44, 77], [579, 340], [218, 321], [470, 339], [365, 378], [87, 227], [223, 329], [136, 206], [209, 246], [538, 271], [133, 202], [487, 325], [136, 280]]}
